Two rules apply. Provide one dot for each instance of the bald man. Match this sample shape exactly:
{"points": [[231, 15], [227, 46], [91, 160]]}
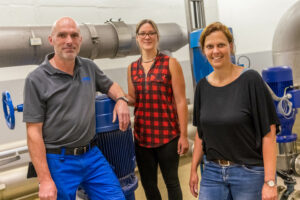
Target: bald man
{"points": [[59, 111]]}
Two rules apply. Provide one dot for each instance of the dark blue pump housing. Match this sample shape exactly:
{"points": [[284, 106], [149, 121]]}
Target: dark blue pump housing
{"points": [[104, 107], [280, 78], [117, 146]]}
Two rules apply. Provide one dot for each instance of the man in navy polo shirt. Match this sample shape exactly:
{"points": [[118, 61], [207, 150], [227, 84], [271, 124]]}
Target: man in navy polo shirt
{"points": [[59, 111]]}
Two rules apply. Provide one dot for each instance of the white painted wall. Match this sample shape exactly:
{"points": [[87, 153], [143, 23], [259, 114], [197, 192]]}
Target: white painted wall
{"points": [[253, 22]]}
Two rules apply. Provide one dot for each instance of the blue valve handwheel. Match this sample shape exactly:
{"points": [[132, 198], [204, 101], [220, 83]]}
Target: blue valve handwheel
{"points": [[8, 109]]}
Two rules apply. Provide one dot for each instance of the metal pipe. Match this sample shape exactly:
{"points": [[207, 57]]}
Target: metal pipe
{"points": [[202, 14], [188, 16], [199, 22], [195, 13], [18, 150], [28, 45], [14, 183]]}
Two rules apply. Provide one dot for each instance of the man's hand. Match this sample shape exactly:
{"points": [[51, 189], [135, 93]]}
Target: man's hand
{"points": [[47, 190], [183, 145], [122, 111]]}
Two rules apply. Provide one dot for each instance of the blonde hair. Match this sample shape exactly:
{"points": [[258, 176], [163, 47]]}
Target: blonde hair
{"points": [[147, 21]]}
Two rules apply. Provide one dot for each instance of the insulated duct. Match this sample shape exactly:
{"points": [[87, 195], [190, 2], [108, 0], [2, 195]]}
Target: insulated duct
{"points": [[28, 45], [286, 41]]}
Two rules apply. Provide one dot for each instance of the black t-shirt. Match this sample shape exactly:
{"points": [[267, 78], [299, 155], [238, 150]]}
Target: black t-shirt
{"points": [[232, 120]]}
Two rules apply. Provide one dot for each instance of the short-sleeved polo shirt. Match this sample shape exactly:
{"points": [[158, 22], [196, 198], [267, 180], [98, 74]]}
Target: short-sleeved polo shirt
{"points": [[65, 104]]}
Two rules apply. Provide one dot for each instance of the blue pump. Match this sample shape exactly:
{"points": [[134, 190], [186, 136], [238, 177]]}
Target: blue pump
{"points": [[280, 80]]}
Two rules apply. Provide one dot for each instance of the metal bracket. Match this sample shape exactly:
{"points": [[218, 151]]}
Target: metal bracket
{"points": [[35, 41]]}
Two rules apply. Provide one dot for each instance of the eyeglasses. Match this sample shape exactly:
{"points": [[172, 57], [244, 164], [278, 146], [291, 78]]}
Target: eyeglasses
{"points": [[150, 34]]}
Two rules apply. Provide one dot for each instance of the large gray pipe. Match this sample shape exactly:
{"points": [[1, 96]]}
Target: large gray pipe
{"points": [[286, 41], [28, 45]]}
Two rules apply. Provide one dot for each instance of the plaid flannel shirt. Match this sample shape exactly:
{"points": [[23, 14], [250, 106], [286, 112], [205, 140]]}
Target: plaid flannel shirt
{"points": [[156, 120]]}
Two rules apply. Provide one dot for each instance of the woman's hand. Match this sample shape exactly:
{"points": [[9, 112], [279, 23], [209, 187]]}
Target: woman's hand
{"points": [[194, 179], [269, 193], [183, 145]]}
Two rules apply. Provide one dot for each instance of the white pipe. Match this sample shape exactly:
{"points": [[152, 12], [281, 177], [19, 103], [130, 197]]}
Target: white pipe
{"points": [[13, 145], [15, 151]]}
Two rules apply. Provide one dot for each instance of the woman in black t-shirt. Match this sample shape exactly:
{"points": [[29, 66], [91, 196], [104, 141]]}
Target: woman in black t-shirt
{"points": [[236, 127]]}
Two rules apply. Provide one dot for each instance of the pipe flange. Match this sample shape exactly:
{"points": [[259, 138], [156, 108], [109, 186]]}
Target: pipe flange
{"points": [[95, 39], [296, 164], [124, 35]]}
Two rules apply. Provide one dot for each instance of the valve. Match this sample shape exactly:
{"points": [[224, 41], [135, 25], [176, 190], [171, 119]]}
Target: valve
{"points": [[9, 110], [289, 192]]}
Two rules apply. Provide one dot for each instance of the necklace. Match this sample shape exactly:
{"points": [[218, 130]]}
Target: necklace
{"points": [[148, 61], [151, 60]]}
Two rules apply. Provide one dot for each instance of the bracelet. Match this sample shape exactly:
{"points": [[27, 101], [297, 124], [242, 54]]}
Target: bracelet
{"points": [[122, 98]]}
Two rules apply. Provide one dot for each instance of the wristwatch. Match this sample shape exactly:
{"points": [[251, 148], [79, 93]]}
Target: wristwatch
{"points": [[270, 183], [122, 98]]}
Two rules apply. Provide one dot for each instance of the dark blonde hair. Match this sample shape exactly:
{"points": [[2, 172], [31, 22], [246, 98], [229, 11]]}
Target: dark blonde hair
{"points": [[216, 26], [147, 21]]}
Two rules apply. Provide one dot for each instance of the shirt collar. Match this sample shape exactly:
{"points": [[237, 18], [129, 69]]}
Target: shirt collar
{"points": [[51, 70]]}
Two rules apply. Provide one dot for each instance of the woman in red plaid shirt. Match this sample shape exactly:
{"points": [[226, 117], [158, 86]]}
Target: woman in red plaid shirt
{"points": [[156, 89]]}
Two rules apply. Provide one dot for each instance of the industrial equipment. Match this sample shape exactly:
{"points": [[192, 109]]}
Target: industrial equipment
{"points": [[286, 98], [114, 39], [117, 146]]}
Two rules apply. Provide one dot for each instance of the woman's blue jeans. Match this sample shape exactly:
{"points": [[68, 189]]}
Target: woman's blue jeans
{"points": [[235, 182]]}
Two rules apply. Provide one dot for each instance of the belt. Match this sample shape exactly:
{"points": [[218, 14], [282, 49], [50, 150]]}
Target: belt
{"points": [[223, 163], [75, 151]]}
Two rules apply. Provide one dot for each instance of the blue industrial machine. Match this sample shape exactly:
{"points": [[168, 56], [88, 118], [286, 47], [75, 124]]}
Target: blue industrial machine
{"points": [[116, 146], [286, 98]]}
